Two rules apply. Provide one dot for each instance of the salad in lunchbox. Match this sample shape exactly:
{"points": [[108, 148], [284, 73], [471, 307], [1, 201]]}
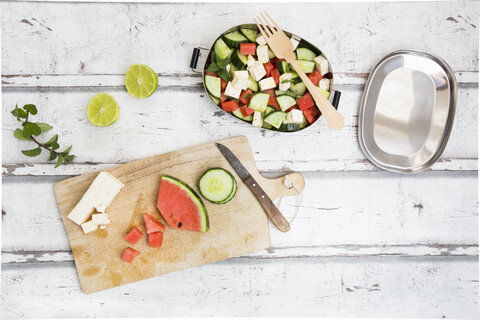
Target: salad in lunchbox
{"points": [[245, 78]]}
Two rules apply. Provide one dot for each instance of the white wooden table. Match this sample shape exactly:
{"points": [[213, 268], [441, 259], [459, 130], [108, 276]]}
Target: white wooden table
{"points": [[366, 243]]}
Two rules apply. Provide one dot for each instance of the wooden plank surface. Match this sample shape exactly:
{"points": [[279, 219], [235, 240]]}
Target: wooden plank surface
{"points": [[357, 226]]}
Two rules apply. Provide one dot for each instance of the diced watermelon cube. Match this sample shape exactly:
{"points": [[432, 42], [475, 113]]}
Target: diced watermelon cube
{"points": [[230, 105], [245, 96], [315, 77], [272, 102], [155, 239], [310, 114], [129, 254], [223, 84], [248, 48], [151, 224], [275, 74], [305, 102], [246, 111], [134, 235], [268, 68], [211, 73], [223, 97], [291, 108]]}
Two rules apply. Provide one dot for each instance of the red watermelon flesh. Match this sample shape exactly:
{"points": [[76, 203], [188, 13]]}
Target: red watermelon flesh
{"points": [[180, 206], [151, 224]]}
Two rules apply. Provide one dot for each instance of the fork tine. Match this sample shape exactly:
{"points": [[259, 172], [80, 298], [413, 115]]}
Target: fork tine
{"points": [[272, 21], [265, 29], [260, 28], [266, 25]]}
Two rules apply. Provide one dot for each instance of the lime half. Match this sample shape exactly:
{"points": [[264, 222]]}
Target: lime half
{"points": [[141, 81], [102, 110]]}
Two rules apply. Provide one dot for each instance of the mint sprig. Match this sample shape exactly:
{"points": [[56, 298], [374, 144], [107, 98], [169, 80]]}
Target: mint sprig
{"points": [[33, 129], [219, 66]]}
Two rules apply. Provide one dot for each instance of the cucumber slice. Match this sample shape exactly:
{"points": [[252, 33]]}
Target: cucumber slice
{"points": [[232, 71], [233, 39], [289, 127], [307, 66], [268, 110], [215, 100], [304, 123], [253, 84], [271, 55], [305, 54], [251, 35], [325, 93], [285, 93], [286, 102], [217, 185], [295, 77], [275, 119], [282, 66], [239, 60], [232, 194], [237, 113], [299, 88], [221, 49], [259, 101], [213, 86]]}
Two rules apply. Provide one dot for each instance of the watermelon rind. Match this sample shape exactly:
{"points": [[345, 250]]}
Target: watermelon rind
{"points": [[195, 197]]}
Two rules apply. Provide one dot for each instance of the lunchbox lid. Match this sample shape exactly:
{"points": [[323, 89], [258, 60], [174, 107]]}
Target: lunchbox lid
{"points": [[407, 111]]}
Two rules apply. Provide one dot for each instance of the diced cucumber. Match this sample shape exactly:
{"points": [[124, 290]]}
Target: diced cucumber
{"points": [[237, 113], [253, 84], [213, 85], [287, 93], [232, 71], [251, 35], [275, 119], [266, 125], [295, 77], [282, 66], [271, 55], [215, 100], [265, 113], [305, 54], [325, 93], [221, 49], [239, 60], [233, 39], [307, 66], [299, 88], [259, 101], [217, 185], [286, 102], [290, 127], [304, 123]]}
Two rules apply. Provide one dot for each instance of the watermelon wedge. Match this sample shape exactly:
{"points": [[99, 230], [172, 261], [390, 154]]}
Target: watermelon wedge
{"points": [[151, 224], [180, 205]]}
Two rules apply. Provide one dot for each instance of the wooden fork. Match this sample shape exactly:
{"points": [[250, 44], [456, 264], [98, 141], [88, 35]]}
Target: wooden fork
{"points": [[283, 48]]}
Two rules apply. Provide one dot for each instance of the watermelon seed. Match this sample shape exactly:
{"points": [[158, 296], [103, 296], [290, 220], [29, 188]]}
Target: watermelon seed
{"points": [[179, 224]]}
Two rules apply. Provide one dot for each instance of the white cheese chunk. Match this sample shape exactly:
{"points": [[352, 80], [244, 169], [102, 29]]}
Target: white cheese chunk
{"points": [[285, 86], [100, 218], [294, 116], [267, 83], [243, 74], [321, 64], [295, 43], [228, 68], [251, 61], [261, 40], [99, 195], [241, 83], [257, 71], [232, 91], [324, 84], [257, 119], [89, 226], [262, 53], [102, 226]]}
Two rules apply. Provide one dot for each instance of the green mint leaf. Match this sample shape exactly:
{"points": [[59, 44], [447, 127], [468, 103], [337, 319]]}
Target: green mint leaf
{"points": [[52, 156], [59, 160], [19, 113], [222, 73], [50, 142], [44, 126], [32, 152], [66, 151], [18, 133], [212, 67], [213, 57], [31, 108], [69, 158], [222, 64], [32, 129], [55, 146]]}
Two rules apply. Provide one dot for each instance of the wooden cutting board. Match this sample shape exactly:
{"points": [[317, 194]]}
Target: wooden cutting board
{"points": [[236, 228]]}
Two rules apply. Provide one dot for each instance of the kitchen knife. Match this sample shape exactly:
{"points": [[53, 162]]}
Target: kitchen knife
{"points": [[272, 211]]}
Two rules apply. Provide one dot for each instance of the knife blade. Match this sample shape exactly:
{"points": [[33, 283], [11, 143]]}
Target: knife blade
{"points": [[270, 209]]}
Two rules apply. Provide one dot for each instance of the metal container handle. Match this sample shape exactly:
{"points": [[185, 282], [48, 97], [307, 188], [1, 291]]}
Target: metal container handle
{"points": [[336, 99], [199, 57]]}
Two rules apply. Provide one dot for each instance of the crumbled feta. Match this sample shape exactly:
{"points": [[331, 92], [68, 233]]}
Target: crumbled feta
{"points": [[102, 226], [228, 68], [243, 74], [262, 53], [89, 226], [261, 40], [251, 61], [324, 84], [285, 86], [295, 43], [294, 116], [100, 218], [321, 64], [257, 119], [267, 83], [257, 71], [232, 91]]}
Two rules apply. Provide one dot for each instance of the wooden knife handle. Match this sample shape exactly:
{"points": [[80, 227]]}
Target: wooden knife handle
{"points": [[272, 211]]}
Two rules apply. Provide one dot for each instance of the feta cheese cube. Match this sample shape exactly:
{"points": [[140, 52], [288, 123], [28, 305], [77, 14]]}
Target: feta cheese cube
{"points": [[243, 74], [257, 119], [257, 71], [295, 43], [324, 84], [321, 64], [294, 116], [251, 61], [240, 83], [89, 226], [232, 91], [262, 53], [102, 226], [99, 195], [101, 218], [267, 83], [228, 68], [261, 40], [285, 86]]}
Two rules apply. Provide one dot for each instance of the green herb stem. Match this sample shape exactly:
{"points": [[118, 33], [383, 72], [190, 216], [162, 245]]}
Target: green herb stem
{"points": [[39, 144]]}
